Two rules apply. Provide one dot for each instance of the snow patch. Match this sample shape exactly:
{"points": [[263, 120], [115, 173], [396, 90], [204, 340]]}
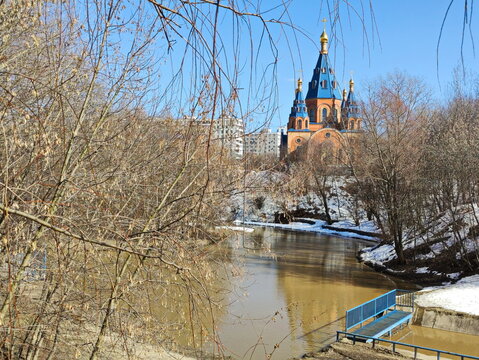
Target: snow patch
{"points": [[236, 228], [460, 297], [454, 276], [422, 270], [379, 255]]}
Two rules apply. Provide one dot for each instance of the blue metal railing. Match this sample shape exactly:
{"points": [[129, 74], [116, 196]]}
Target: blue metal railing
{"points": [[366, 311], [355, 337]]}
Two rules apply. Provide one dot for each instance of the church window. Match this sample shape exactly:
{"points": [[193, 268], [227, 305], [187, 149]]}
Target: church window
{"points": [[300, 124], [351, 124], [324, 114], [306, 124], [314, 84], [324, 84], [335, 113], [333, 84], [328, 135], [331, 70], [323, 70], [312, 115], [298, 140], [316, 70]]}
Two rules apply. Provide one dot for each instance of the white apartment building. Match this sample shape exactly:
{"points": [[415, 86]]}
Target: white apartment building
{"points": [[264, 142], [228, 132]]}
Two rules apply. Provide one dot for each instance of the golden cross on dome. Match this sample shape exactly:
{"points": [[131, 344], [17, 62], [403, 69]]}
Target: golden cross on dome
{"points": [[351, 82], [300, 80], [324, 21]]}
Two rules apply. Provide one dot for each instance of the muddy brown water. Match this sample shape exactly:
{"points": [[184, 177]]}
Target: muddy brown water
{"points": [[295, 291]]}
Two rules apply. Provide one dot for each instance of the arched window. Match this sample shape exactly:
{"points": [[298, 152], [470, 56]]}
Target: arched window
{"points": [[335, 113], [351, 124], [312, 115], [358, 124], [306, 124], [324, 114], [300, 124]]}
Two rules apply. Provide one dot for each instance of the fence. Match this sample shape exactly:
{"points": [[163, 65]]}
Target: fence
{"points": [[395, 344], [405, 298], [368, 310]]}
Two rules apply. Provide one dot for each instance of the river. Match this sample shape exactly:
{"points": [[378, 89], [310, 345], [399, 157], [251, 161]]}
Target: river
{"points": [[295, 291]]}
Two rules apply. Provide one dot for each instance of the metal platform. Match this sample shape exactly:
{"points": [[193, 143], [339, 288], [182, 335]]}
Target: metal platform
{"points": [[380, 315], [385, 324]]}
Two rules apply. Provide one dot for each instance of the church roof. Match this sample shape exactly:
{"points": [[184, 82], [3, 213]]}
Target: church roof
{"points": [[323, 84], [352, 105], [299, 105]]}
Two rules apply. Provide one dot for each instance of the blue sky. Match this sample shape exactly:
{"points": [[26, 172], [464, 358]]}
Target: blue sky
{"points": [[397, 35], [404, 38]]}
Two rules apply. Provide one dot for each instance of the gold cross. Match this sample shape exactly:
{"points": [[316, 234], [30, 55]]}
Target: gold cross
{"points": [[324, 21]]}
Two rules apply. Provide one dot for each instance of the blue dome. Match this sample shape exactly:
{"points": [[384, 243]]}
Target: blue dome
{"points": [[299, 106], [352, 105]]}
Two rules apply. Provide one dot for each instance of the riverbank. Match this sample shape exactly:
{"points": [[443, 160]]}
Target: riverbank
{"points": [[425, 271], [452, 307], [366, 230], [443, 250]]}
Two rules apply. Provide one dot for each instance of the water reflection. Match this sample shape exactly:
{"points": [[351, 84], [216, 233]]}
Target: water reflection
{"points": [[297, 289], [440, 339]]}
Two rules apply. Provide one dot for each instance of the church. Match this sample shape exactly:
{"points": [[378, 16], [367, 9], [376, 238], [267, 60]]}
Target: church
{"points": [[326, 119]]}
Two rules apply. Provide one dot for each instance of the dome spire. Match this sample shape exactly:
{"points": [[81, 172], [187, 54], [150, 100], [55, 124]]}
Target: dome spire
{"points": [[300, 85], [324, 39], [351, 85]]}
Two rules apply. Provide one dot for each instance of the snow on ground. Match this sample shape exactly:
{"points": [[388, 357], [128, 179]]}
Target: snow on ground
{"points": [[440, 235], [368, 226], [454, 276], [378, 255], [461, 297], [316, 226], [269, 193], [236, 228], [422, 270]]}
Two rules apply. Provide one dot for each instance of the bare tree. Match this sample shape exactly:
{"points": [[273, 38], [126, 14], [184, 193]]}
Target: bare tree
{"points": [[99, 200], [108, 201], [450, 171], [395, 117]]}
